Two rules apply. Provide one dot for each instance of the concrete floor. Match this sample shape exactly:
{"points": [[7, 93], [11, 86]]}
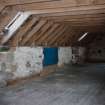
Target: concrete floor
{"points": [[71, 85]]}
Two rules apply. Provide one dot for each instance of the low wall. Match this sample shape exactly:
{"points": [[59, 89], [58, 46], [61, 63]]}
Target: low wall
{"points": [[25, 61], [96, 54], [74, 55], [64, 55], [22, 62]]}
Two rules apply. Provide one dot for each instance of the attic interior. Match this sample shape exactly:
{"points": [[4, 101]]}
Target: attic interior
{"points": [[52, 52]]}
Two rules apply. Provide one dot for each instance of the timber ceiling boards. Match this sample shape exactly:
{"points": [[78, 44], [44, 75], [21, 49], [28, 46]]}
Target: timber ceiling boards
{"points": [[59, 22]]}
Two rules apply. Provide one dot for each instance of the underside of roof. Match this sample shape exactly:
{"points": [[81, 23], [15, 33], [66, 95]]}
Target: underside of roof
{"points": [[53, 22]]}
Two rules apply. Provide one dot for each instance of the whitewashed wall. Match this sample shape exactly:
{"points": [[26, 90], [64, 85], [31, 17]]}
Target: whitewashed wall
{"points": [[82, 52], [78, 55], [22, 62], [25, 61], [64, 55], [28, 60]]}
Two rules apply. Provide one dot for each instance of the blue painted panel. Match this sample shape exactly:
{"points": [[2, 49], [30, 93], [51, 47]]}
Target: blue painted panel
{"points": [[50, 56]]}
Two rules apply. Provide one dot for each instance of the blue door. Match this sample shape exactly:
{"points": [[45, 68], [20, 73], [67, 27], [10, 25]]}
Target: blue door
{"points": [[50, 56]]}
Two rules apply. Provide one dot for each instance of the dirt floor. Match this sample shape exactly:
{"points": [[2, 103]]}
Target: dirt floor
{"points": [[71, 85]]}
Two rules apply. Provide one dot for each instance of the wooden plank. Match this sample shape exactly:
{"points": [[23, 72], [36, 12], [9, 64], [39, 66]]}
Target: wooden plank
{"points": [[59, 9], [84, 23], [62, 36], [50, 3], [71, 11], [41, 33], [76, 17], [67, 37], [49, 32], [89, 19], [51, 37], [58, 33], [17, 2], [58, 4], [33, 31], [38, 33]]}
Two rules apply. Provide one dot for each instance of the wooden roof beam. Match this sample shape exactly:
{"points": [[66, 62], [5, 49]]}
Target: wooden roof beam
{"points": [[48, 33], [40, 33], [33, 31]]}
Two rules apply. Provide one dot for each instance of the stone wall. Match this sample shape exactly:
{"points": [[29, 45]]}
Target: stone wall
{"points": [[64, 55], [28, 61], [74, 55], [96, 54], [25, 61], [96, 49], [22, 62]]}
